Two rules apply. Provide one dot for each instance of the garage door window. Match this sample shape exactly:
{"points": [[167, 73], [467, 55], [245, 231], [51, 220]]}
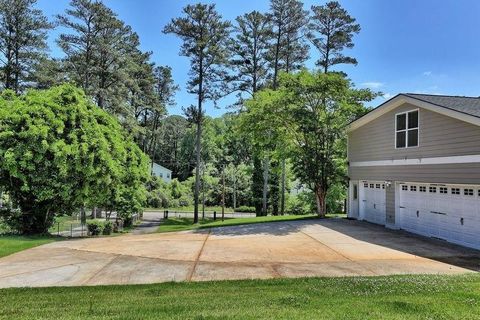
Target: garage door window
{"points": [[432, 189], [468, 192], [406, 129], [404, 188], [443, 190], [423, 189], [455, 190]]}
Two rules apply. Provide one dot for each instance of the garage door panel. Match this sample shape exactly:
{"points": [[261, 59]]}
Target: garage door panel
{"points": [[373, 200], [450, 212]]}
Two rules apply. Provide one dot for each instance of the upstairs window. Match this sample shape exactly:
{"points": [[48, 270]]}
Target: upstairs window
{"points": [[406, 129]]}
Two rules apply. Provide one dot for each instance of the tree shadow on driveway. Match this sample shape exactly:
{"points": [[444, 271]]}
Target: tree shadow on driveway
{"points": [[364, 232]]}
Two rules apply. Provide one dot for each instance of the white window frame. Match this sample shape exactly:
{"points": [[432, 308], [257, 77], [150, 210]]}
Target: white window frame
{"points": [[406, 130]]}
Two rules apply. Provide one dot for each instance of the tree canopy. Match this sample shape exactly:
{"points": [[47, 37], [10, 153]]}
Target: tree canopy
{"points": [[309, 113], [60, 152]]}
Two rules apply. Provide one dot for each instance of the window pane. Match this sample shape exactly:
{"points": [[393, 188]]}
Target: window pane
{"points": [[401, 139], [401, 121], [413, 120], [413, 138]]}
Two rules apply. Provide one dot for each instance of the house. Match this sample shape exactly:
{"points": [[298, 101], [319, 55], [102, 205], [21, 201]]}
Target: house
{"points": [[161, 172], [414, 164]]}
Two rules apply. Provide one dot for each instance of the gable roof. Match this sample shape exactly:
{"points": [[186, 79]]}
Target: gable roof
{"points": [[468, 105], [462, 108], [161, 167]]}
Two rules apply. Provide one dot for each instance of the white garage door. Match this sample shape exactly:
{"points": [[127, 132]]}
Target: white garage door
{"points": [[372, 202], [449, 212]]}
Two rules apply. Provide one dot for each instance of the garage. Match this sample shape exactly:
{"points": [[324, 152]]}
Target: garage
{"points": [[448, 212], [372, 202]]}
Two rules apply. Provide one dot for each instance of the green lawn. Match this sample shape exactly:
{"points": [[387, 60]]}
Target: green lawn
{"points": [[181, 224], [218, 209], [10, 244], [397, 297]]}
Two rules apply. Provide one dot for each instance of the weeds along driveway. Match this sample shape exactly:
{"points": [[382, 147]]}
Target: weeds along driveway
{"points": [[331, 247]]}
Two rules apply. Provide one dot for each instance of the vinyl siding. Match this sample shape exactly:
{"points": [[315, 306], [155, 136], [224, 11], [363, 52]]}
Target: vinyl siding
{"points": [[439, 136], [465, 173], [390, 204]]}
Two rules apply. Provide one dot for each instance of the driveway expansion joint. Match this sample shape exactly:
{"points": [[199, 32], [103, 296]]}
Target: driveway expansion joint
{"points": [[194, 267]]}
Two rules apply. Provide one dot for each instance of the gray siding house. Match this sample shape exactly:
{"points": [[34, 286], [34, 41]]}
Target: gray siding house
{"points": [[414, 164], [161, 172]]}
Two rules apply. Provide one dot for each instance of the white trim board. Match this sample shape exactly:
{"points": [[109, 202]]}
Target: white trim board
{"points": [[418, 161]]}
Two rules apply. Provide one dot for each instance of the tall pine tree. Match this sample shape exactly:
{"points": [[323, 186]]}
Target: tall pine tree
{"points": [[205, 37], [331, 31], [250, 47], [23, 35], [288, 53]]}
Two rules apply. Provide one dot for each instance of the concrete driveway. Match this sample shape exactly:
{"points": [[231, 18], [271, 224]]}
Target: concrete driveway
{"points": [[333, 247]]}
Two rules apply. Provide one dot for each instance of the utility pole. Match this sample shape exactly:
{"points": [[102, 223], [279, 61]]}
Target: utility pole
{"points": [[203, 190], [282, 202], [223, 192], [265, 186], [234, 191]]}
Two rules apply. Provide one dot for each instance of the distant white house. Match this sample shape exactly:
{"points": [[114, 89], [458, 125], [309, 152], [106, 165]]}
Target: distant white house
{"points": [[162, 172]]}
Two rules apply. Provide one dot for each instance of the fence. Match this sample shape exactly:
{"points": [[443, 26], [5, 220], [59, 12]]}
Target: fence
{"points": [[74, 228]]}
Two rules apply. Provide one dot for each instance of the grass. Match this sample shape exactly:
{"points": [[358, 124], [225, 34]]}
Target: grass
{"points": [[393, 297], [181, 224], [12, 243], [218, 209]]}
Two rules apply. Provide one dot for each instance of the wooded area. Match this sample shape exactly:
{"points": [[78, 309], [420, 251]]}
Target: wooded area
{"points": [[279, 149]]}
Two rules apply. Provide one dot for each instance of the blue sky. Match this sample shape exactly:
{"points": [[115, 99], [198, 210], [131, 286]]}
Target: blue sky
{"points": [[419, 46]]}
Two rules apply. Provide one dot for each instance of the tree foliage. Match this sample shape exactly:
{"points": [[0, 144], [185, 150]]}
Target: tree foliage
{"points": [[59, 153], [23, 35], [205, 36], [331, 30], [310, 112]]}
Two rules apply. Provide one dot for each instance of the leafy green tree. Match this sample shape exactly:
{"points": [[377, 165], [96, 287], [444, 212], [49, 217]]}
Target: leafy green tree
{"points": [[331, 30], [23, 35], [205, 36], [310, 111], [60, 152]]}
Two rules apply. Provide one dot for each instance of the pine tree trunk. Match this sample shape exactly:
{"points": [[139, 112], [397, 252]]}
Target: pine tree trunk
{"points": [[234, 193], [197, 171], [257, 184], [198, 141]]}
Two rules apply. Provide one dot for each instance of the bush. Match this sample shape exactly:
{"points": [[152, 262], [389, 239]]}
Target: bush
{"points": [[302, 203], [245, 209], [107, 228], [158, 199], [184, 201], [22, 223], [95, 228]]}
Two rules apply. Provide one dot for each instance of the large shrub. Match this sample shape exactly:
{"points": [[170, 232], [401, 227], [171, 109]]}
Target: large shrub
{"points": [[59, 152]]}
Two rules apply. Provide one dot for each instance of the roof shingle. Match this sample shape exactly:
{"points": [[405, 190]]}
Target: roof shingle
{"points": [[468, 105]]}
